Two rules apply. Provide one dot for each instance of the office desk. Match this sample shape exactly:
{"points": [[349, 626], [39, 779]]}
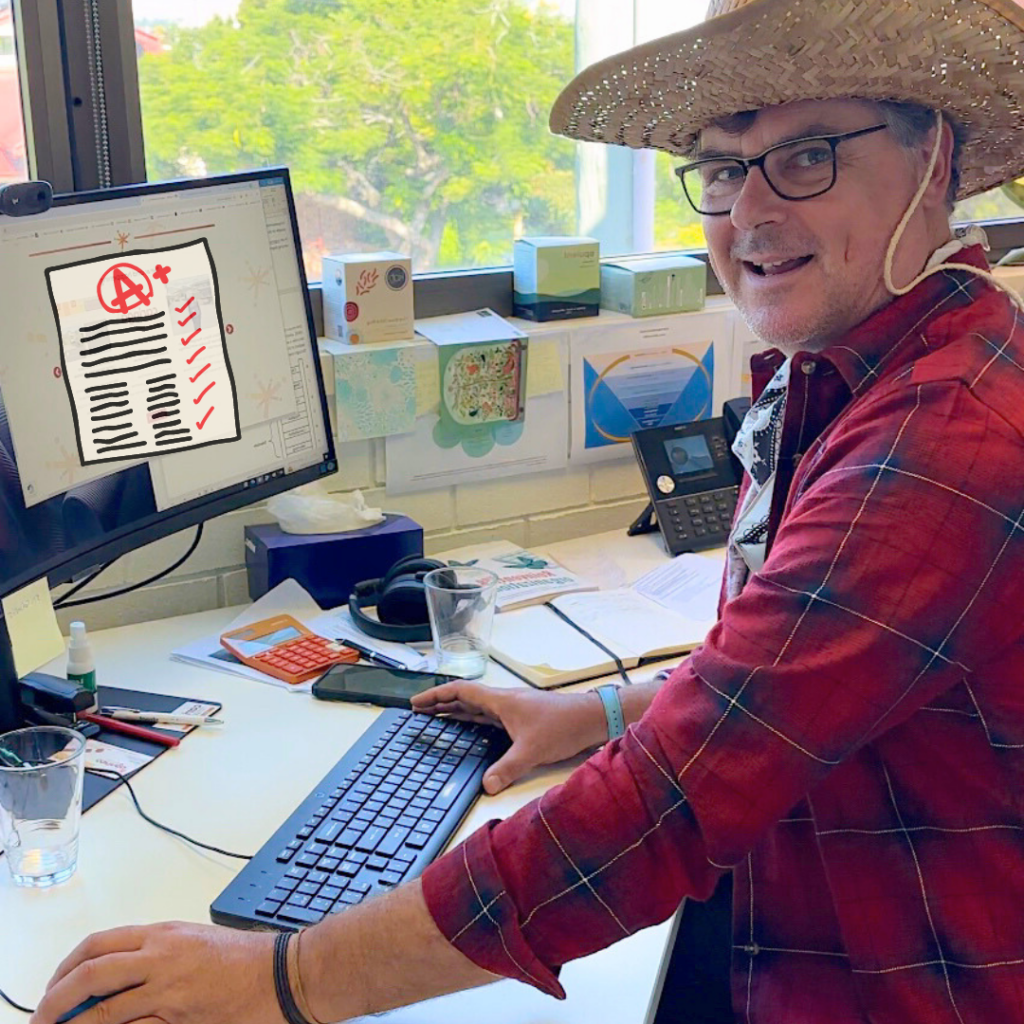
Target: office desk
{"points": [[233, 786]]}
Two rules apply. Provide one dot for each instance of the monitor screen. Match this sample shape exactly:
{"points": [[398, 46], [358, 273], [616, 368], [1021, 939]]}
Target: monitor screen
{"points": [[688, 455], [158, 366]]}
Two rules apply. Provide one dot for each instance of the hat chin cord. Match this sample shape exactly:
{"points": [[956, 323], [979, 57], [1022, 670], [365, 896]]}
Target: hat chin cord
{"points": [[897, 235]]}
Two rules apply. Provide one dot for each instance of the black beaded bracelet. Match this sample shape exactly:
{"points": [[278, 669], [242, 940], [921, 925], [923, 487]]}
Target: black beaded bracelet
{"points": [[282, 984]]}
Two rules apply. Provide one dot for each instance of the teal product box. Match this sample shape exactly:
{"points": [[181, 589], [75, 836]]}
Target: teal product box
{"points": [[556, 277], [652, 285]]}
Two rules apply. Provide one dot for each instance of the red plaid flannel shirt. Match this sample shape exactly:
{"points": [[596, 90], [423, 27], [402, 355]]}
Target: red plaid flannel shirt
{"points": [[850, 737]]}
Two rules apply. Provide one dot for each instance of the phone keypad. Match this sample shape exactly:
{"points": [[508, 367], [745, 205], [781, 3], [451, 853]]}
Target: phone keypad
{"points": [[693, 522]]}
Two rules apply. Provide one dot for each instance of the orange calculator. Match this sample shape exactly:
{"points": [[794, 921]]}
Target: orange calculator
{"points": [[282, 647]]}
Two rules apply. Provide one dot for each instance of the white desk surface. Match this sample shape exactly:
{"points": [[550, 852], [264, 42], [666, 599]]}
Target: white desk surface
{"points": [[233, 786]]}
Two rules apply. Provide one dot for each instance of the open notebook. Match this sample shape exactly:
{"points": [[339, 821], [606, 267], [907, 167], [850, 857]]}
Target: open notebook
{"points": [[539, 646]]}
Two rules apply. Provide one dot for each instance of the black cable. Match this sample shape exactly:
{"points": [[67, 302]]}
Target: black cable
{"points": [[593, 639], [113, 773], [10, 1002], [63, 602]]}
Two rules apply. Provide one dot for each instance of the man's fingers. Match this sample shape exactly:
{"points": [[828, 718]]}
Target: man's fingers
{"points": [[472, 697], [111, 973], [116, 940], [508, 769]]}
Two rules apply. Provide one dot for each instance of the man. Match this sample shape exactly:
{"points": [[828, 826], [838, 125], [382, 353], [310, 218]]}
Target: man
{"points": [[850, 738]]}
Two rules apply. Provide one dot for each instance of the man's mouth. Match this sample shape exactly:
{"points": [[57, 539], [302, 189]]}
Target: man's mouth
{"points": [[772, 268]]}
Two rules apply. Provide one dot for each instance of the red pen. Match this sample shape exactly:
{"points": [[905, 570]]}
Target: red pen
{"points": [[126, 728]]}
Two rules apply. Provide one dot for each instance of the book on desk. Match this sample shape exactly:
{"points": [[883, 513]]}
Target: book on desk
{"points": [[542, 648]]}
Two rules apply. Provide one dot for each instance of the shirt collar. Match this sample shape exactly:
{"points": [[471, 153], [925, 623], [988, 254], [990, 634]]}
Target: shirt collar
{"points": [[893, 335]]}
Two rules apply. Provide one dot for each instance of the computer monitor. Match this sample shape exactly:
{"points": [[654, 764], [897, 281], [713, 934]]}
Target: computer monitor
{"points": [[158, 366]]}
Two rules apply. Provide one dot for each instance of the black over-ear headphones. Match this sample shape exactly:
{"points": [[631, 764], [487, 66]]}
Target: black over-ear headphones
{"points": [[400, 600]]}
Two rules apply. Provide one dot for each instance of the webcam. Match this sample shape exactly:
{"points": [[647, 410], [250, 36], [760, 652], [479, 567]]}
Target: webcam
{"points": [[22, 198]]}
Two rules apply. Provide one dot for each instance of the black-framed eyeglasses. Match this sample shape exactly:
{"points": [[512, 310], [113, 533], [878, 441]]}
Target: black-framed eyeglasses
{"points": [[801, 169]]}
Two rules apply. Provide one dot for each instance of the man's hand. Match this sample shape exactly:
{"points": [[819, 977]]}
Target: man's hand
{"points": [[544, 727], [179, 973]]}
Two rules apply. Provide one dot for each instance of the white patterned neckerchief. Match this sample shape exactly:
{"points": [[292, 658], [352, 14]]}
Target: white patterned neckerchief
{"points": [[757, 447]]}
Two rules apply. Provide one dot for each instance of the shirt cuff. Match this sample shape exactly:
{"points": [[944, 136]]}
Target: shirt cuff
{"points": [[468, 902]]}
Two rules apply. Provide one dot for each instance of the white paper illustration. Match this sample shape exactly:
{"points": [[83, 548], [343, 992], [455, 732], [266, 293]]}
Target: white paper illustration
{"points": [[143, 353]]}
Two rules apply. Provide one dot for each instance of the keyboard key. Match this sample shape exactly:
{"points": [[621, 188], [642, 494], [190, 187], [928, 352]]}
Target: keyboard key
{"points": [[298, 900], [317, 876], [321, 904], [287, 883], [376, 863], [300, 915], [391, 877], [417, 840], [328, 831], [351, 897], [349, 868], [308, 889], [370, 838], [447, 796], [285, 855], [278, 895], [349, 837], [330, 892], [307, 860], [392, 842], [267, 908], [434, 814], [362, 888], [328, 863]]}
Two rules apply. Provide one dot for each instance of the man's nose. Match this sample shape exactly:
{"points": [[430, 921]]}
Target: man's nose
{"points": [[757, 203]]}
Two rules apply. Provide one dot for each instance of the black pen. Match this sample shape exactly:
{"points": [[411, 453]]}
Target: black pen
{"points": [[365, 652]]}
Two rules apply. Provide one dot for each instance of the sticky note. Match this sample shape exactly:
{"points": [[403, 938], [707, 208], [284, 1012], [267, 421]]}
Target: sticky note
{"points": [[544, 367], [32, 626]]}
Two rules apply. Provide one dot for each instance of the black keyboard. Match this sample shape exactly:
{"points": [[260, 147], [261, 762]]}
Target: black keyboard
{"points": [[378, 817]]}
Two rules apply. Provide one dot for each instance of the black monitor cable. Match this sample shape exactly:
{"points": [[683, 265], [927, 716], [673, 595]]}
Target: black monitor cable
{"points": [[10, 1002], [63, 602], [111, 773]]}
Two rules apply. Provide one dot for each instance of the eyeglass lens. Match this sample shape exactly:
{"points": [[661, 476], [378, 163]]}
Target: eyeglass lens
{"points": [[798, 170]]}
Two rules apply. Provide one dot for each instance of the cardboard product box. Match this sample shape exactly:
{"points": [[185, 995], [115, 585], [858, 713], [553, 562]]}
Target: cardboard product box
{"points": [[328, 565], [556, 277], [652, 285], [367, 297]]}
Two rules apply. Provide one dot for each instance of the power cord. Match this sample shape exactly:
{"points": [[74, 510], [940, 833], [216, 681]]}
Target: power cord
{"points": [[63, 602], [113, 773], [10, 1002]]}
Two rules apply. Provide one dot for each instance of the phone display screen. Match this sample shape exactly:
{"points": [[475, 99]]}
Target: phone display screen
{"points": [[367, 682], [688, 455]]}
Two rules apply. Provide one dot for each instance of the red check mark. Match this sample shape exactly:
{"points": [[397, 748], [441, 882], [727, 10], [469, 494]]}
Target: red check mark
{"points": [[183, 308], [199, 374], [200, 423], [196, 401], [181, 323], [202, 348], [185, 341]]}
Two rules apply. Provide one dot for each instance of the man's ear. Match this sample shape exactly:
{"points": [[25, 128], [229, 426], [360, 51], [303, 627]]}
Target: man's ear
{"points": [[935, 194]]}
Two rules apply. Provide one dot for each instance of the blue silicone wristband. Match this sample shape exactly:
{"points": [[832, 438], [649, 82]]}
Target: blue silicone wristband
{"points": [[609, 694]]}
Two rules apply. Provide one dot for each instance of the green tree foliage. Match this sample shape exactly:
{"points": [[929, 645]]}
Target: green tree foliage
{"points": [[423, 121]]}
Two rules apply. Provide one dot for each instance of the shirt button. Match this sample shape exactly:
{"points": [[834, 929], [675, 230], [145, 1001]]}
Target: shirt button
{"points": [[809, 367]]}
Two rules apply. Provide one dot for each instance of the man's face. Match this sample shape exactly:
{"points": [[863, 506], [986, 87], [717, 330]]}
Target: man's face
{"points": [[828, 251]]}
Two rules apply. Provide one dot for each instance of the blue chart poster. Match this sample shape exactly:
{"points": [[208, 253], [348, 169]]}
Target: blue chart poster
{"points": [[626, 391]]}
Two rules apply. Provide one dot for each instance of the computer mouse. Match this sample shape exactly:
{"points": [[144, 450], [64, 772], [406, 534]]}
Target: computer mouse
{"points": [[82, 1007]]}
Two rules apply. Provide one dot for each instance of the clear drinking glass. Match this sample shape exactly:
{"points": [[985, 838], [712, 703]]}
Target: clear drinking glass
{"points": [[460, 602], [41, 771]]}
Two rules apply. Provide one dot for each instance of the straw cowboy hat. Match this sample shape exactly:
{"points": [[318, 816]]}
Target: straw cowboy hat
{"points": [[965, 57]]}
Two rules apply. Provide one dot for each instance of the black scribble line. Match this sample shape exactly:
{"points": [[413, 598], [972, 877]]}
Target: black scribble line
{"points": [[123, 330], [106, 387], [122, 320], [129, 369], [122, 344], [125, 355]]}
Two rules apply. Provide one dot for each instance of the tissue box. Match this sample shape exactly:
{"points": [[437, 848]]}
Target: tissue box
{"points": [[556, 278], [653, 284], [367, 297], [328, 565]]}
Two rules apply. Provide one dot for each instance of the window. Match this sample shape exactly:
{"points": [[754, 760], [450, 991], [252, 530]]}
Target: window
{"points": [[12, 126]]}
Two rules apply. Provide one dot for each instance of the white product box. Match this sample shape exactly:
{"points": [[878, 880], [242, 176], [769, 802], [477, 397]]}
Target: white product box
{"points": [[367, 297]]}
